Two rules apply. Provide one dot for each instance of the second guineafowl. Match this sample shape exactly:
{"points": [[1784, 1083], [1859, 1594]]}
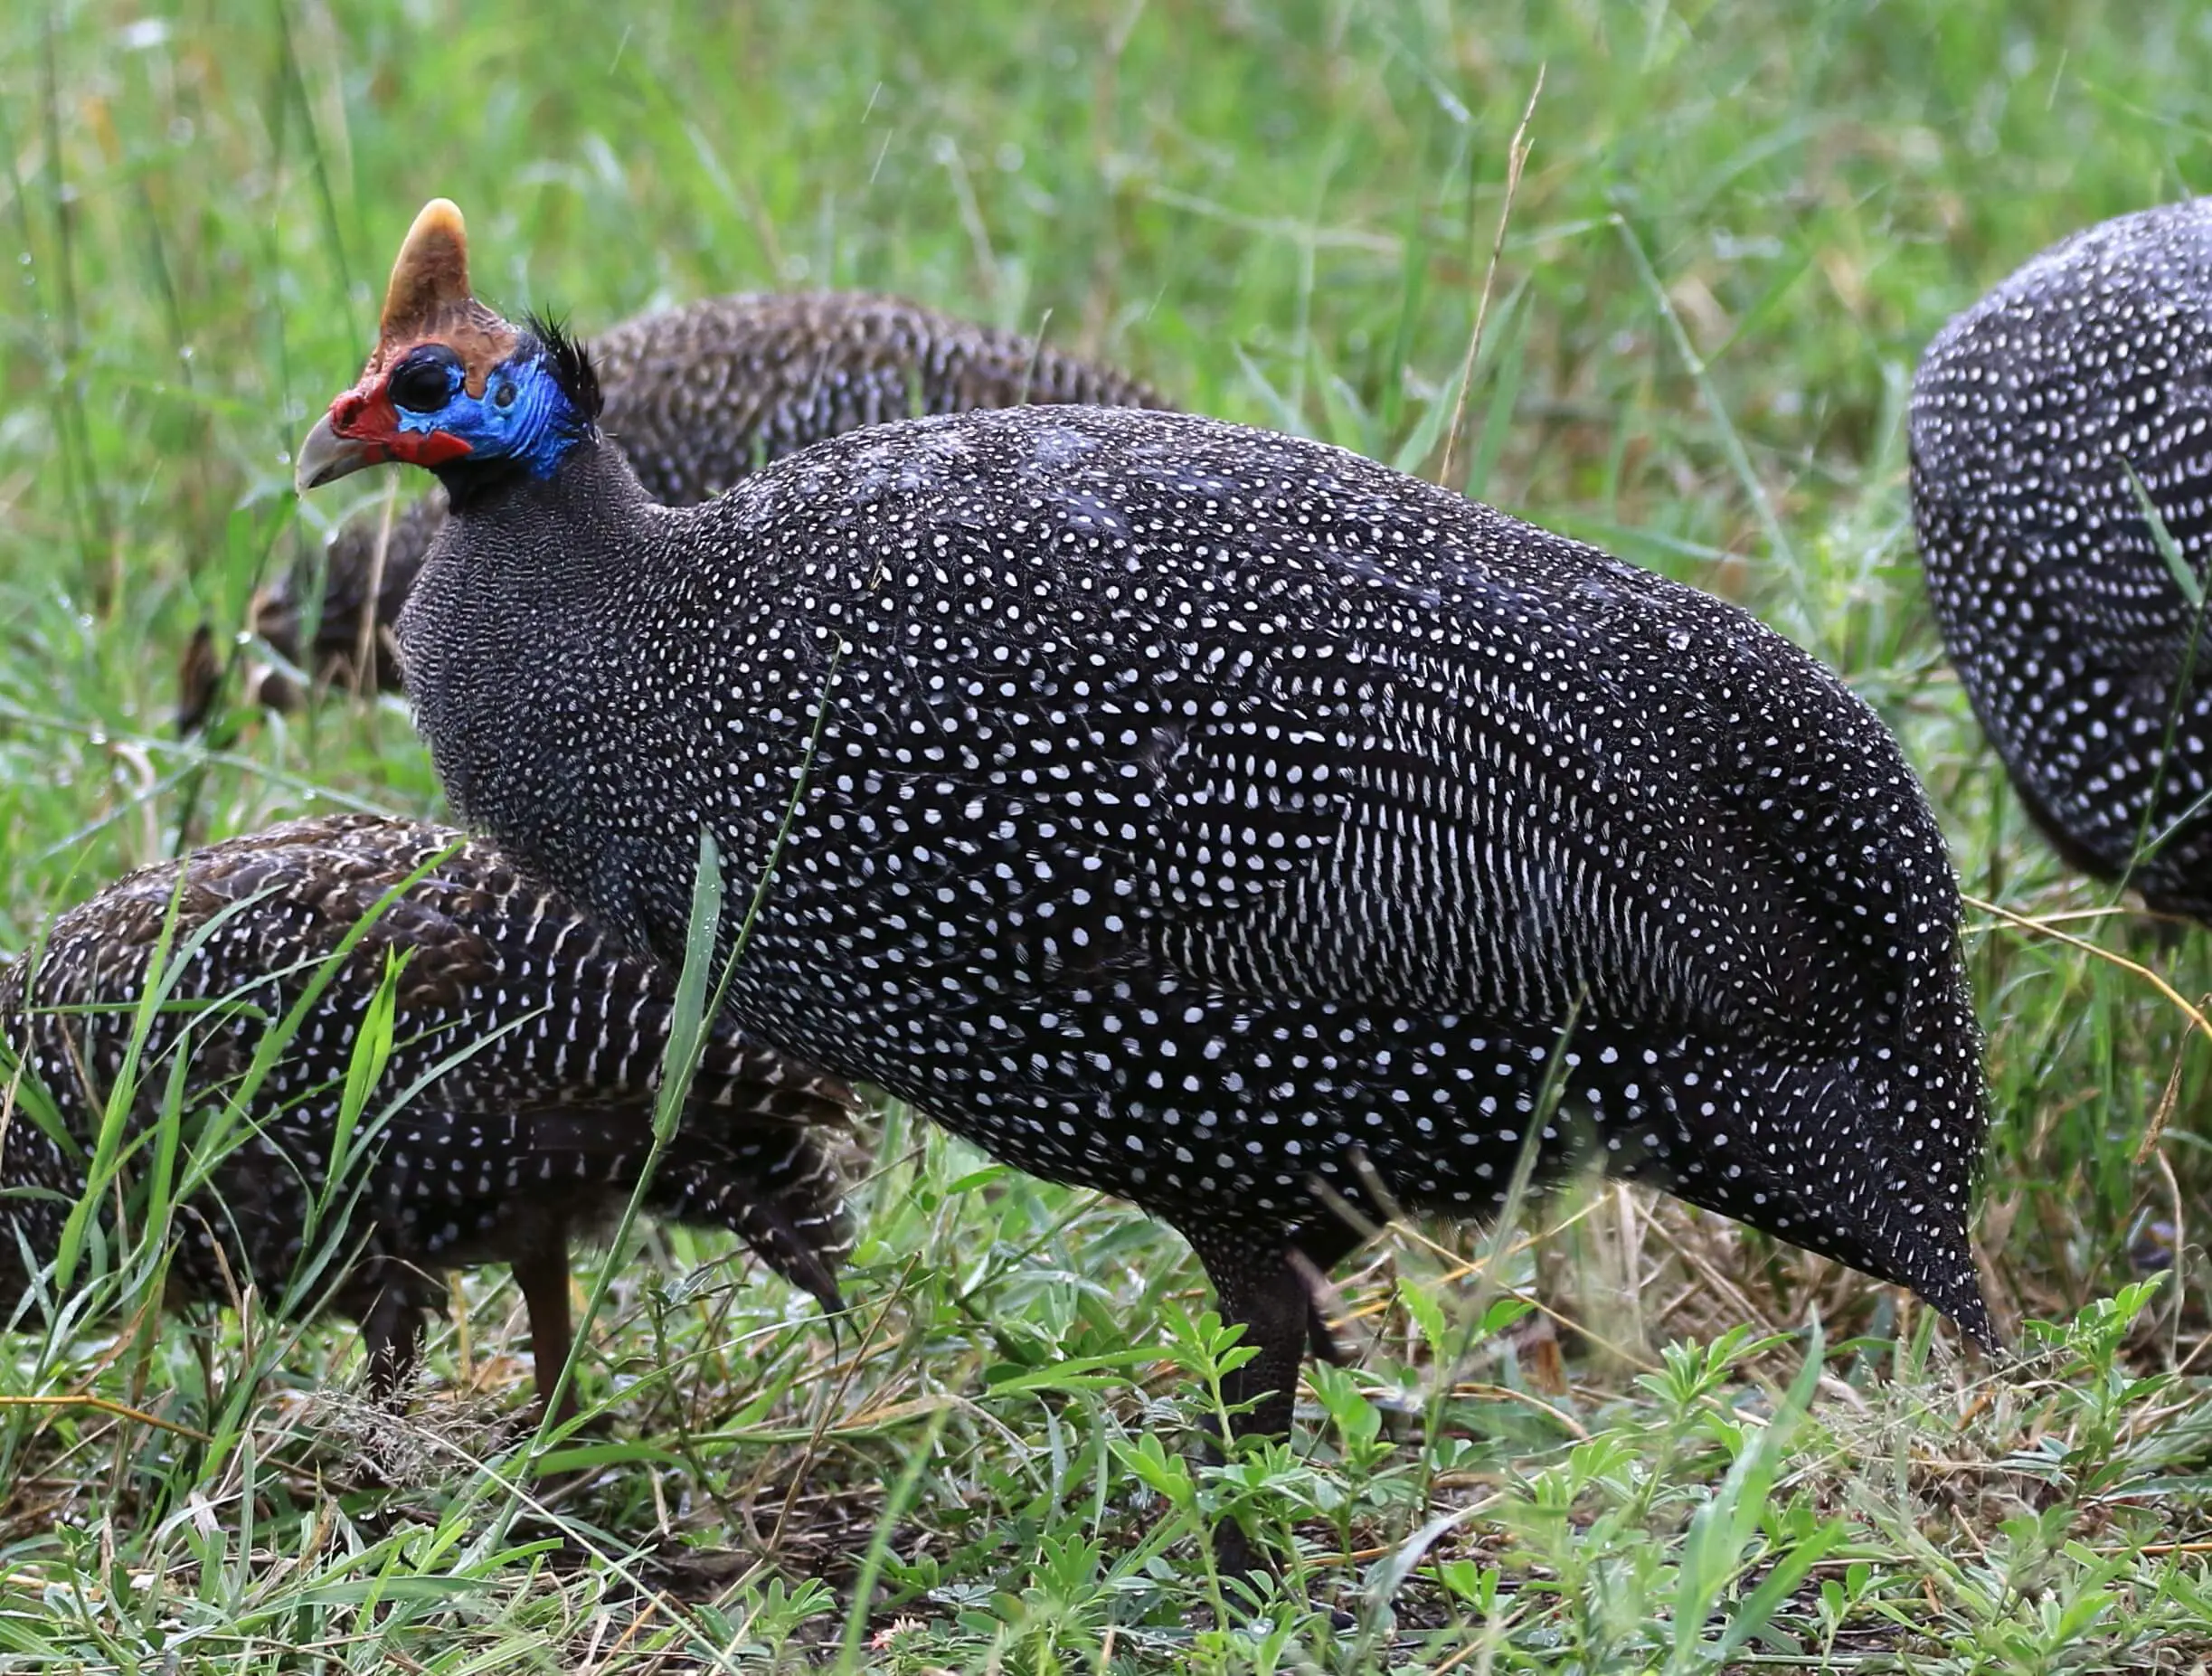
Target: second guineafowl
{"points": [[528, 1047], [1202, 815], [2082, 653], [696, 397]]}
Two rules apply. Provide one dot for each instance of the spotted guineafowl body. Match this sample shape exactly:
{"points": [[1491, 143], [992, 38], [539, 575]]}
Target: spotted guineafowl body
{"points": [[2063, 616], [1202, 815], [696, 398], [527, 1049]]}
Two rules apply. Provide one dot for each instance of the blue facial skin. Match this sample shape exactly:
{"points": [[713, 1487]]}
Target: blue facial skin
{"points": [[523, 416]]}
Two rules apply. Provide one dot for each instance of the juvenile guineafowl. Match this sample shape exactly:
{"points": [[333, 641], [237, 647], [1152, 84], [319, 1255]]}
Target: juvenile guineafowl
{"points": [[697, 397], [501, 1154], [2064, 619], [1198, 814]]}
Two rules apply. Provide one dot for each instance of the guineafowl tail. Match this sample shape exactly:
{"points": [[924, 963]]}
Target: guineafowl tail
{"points": [[1867, 1156], [757, 1155], [773, 1185], [1851, 1120], [778, 1190]]}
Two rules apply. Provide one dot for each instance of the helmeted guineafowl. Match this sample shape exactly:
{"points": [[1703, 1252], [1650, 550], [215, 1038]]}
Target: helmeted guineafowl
{"points": [[697, 397], [1199, 814], [2067, 623], [528, 1047]]}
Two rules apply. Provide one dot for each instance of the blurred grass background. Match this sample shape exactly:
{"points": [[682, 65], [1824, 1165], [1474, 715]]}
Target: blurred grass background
{"points": [[1739, 223]]}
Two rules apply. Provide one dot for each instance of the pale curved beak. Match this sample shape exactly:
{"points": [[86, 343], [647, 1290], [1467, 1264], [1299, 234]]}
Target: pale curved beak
{"points": [[325, 457]]}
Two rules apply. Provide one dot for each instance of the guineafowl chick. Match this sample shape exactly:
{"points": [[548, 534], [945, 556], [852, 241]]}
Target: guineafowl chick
{"points": [[527, 1048], [1197, 814], [696, 398], [2067, 625]]}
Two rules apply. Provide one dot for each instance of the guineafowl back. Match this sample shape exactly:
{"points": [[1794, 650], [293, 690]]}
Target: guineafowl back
{"points": [[1221, 820], [697, 398], [2066, 623]]}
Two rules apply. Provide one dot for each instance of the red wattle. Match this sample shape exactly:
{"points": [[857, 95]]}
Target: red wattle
{"points": [[369, 419], [432, 448]]}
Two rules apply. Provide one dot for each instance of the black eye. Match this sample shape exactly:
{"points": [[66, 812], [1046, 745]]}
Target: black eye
{"points": [[425, 381]]}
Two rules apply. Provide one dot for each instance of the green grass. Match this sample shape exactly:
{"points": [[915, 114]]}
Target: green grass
{"points": [[1738, 225]]}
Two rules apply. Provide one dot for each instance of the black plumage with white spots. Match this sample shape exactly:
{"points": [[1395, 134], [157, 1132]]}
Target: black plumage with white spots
{"points": [[2062, 614], [1199, 812], [526, 1046], [1202, 815]]}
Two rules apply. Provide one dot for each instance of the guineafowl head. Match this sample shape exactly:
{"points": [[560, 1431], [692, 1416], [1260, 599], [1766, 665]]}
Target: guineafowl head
{"points": [[451, 385]]}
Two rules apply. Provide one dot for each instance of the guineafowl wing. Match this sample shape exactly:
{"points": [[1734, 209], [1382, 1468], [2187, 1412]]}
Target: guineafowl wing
{"points": [[1468, 766]]}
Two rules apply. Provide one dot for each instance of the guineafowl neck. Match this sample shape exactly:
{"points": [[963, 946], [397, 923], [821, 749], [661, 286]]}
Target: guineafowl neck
{"points": [[519, 635], [566, 534]]}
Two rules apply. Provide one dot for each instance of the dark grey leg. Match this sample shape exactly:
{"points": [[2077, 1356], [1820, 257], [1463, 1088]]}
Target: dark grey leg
{"points": [[1260, 1281], [543, 1275], [392, 1333]]}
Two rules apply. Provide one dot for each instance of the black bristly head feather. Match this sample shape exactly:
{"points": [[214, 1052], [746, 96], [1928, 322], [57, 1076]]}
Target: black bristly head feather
{"points": [[570, 362]]}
